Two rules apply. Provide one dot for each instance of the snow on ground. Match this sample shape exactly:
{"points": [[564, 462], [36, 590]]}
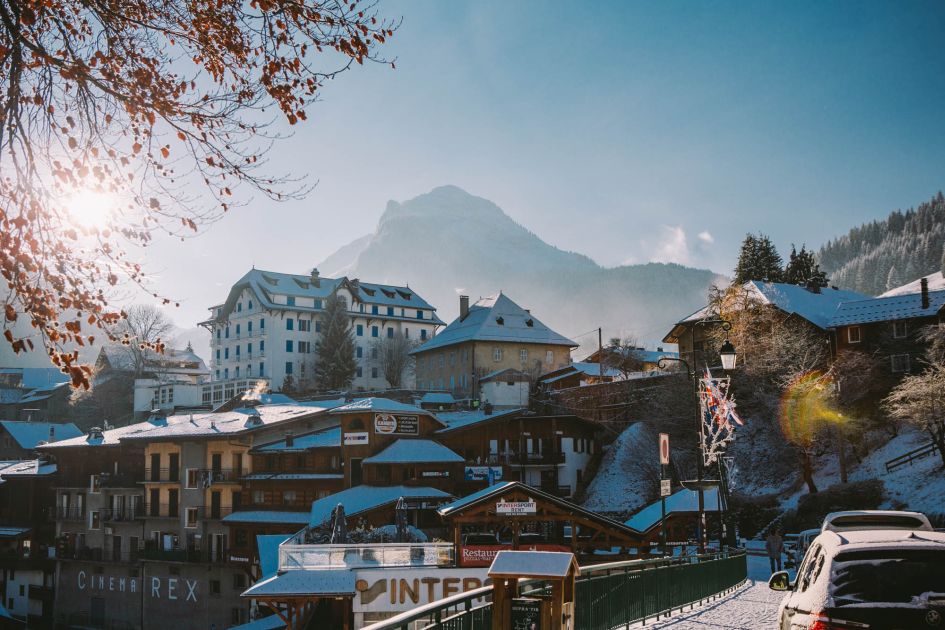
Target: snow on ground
{"points": [[621, 483], [936, 283], [752, 607], [919, 486]]}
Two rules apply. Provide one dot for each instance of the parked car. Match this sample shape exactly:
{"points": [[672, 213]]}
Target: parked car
{"points": [[804, 539], [789, 542], [891, 579], [876, 519]]}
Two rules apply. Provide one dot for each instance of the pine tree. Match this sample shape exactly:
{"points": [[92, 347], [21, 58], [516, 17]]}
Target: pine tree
{"points": [[335, 363], [803, 269], [893, 280], [747, 260], [758, 260]]}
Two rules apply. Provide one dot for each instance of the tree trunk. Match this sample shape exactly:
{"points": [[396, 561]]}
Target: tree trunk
{"points": [[842, 448], [938, 437], [807, 471]]}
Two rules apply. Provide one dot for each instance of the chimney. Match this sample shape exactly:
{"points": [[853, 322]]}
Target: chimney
{"points": [[463, 307], [289, 440], [316, 280], [924, 283]]}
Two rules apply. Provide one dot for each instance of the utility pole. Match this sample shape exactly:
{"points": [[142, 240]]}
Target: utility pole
{"points": [[600, 353]]}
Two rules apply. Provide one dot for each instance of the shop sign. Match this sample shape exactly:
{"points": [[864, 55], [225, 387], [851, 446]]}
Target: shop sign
{"points": [[481, 473], [526, 613], [515, 508], [355, 439], [398, 589], [169, 588], [396, 424], [483, 555], [435, 473]]}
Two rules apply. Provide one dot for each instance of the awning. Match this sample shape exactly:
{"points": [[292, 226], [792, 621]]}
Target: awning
{"points": [[301, 582]]}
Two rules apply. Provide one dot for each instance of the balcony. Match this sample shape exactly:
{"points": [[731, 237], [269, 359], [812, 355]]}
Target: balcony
{"points": [[160, 510], [125, 514], [97, 554], [162, 475], [210, 476], [70, 513], [123, 480], [293, 555], [520, 459], [151, 552]]}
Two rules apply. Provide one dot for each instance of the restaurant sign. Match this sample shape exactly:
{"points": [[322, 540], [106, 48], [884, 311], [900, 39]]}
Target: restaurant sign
{"points": [[396, 424], [481, 473], [483, 555], [515, 508]]}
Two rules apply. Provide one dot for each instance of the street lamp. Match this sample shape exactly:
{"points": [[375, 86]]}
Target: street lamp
{"points": [[728, 355]]}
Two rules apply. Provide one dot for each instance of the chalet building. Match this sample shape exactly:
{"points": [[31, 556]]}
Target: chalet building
{"points": [[18, 440], [264, 334], [169, 381], [493, 334], [508, 388], [141, 540], [578, 374], [634, 359], [33, 394]]}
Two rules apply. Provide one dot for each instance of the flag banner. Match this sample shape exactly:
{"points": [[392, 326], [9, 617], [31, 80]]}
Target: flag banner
{"points": [[719, 416]]}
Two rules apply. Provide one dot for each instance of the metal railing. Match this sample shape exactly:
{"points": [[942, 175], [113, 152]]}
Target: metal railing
{"points": [[160, 510], [906, 459], [70, 513], [300, 556], [520, 459], [607, 596], [162, 474], [210, 476], [127, 513]]}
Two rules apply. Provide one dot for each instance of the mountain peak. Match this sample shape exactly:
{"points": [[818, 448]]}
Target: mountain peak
{"points": [[447, 201]]}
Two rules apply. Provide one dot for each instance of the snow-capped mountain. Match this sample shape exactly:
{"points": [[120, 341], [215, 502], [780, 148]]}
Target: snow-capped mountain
{"points": [[448, 242]]}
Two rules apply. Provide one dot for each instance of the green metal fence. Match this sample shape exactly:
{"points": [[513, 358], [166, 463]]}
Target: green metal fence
{"points": [[607, 596]]}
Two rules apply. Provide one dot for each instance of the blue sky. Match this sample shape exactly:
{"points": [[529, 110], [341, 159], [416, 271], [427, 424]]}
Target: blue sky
{"points": [[619, 130]]}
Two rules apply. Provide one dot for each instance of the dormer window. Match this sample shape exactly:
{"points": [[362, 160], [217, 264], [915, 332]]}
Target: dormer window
{"points": [[500, 321], [530, 322]]}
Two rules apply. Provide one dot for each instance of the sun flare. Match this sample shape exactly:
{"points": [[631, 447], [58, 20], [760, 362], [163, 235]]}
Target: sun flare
{"points": [[91, 208]]}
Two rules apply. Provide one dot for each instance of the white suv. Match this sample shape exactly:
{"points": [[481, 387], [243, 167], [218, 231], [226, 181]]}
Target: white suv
{"points": [[875, 519], [890, 579]]}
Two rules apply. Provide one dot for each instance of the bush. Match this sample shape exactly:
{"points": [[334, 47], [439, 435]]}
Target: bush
{"points": [[751, 514], [812, 508]]}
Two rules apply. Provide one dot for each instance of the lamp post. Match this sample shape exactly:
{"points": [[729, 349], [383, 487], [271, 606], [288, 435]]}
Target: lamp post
{"points": [[728, 356]]}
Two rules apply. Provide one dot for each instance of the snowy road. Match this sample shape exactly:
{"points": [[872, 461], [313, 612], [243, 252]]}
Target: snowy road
{"points": [[752, 607]]}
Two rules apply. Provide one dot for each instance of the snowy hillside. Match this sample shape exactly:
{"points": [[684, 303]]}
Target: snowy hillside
{"points": [[626, 479], [936, 283]]}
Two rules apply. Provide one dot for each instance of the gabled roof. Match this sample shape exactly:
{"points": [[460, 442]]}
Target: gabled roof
{"points": [[363, 498], [304, 582], [29, 434], [884, 309], [475, 497], [817, 308], [266, 284], [120, 357], [26, 468], [533, 564], [437, 398], [414, 451], [496, 318], [381, 405], [325, 438], [505, 375], [43, 393], [682, 501], [455, 420]]}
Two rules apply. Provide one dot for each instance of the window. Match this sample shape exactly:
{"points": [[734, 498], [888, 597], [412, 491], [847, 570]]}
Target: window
{"points": [[305, 347], [249, 327], [290, 324], [390, 332], [250, 306], [191, 518], [305, 325], [442, 360], [900, 329], [288, 367], [226, 333], [262, 346], [226, 353], [261, 368], [218, 333], [237, 331], [359, 352], [406, 333], [262, 324], [374, 331], [239, 581], [374, 352], [452, 358], [226, 373], [214, 587], [193, 478], [239, 307], [259, 497], [249, 348], [94, 484], [318, 325], [288, 497], [95, 521], [419, 314], [237, 351], [497, 354], [523, 355], [218, 354], [288, 345], [423, 333], [374, 372], [901, 363], [236, 373], [374, 309], [359, 330], [318, 304], [853, 334], [290, 301], [390, 310], [359, 372], [549, 357]]}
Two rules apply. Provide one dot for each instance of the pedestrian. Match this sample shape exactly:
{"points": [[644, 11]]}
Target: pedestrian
{"points": [[774, 546]]}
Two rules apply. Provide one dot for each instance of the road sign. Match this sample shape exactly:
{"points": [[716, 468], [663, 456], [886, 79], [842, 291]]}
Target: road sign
{"points": [[664, 449], [665, 487]]}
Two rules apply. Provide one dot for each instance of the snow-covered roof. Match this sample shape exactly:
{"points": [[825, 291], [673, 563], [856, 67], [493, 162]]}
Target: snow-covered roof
{"points": [[461, 419], [936, 283], [383, 405], [414, 451], [469, 499], [199, 425], [268, 546], [363, 498], [43, 393], [266, 284], [266, 516], [121, 357], [32, 377], [272, 622], [817, 308], [681, 501], [29, 434], [437, 398], [13, 532], [884, 309], [325, 438], [26, 468], [533, 564], [496, 318], [304, 582], [506, 374]]}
